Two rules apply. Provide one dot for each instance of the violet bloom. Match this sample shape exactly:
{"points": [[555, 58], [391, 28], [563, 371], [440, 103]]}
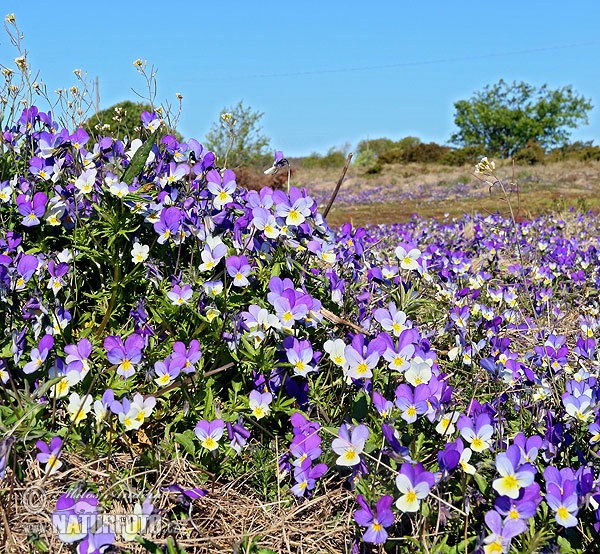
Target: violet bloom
{"points": [[375, 522], [350, 444], [168, 224], [26, 267], [166, 371], [384, 407], [222, 188], [125, 355], [39, 354], [213, 252], [414, 482], [49, 454], [32, 210], [523, 507], [561, 495], [278, 162], [502, 532], [478, 435], [75, 517], [305, 447], [392, 319], [306, 477], [5, 446], [265, 221], [295, 209], [238, 435], [300, 355], [238, 268], [179, 295], [186, 358], [513, 474], [259, 403], [412, 401], [361, 359], [78, 356], [209, 433]]}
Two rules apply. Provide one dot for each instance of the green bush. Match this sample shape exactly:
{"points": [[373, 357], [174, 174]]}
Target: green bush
{"points": [[468, 155], [419, 153], [532, 154]]}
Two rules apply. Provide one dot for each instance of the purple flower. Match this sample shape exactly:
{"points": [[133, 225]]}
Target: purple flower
{"points": [[513, 475], [78, 356], [375, 522], [168, 224], [48, 454], [97, 541], [125, 355], [39, 354], [502, 531], [179, 295], [238, 268], [221, 188], [412, 402], [305, 476], [26, 268], [5, 446], [166, 371], [350, 444], [259, 403], [238, 435], [414, 482], [209, 433], [186, 358], [32, 210]]}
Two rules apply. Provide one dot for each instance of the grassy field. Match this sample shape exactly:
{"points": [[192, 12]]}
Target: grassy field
{"points": [[438, 192]]}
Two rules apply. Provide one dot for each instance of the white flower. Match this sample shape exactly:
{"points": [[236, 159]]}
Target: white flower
{"points": [[139, 252], [78, 407]]}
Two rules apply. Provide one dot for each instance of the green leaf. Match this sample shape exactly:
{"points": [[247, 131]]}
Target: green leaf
{"points": [[187, 440], [149, 545], [139, 159], [482, 482]]}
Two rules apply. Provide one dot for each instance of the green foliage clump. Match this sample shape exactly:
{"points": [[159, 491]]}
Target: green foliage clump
{"points": [[503, 118], [420, 153], [467, 155], [122, 120], [579, 151], [334, 158], [238, 137], [532, 154]]}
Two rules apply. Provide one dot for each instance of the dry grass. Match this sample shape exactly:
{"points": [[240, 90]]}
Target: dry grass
{"points": [[543, 188], [229, 519]]}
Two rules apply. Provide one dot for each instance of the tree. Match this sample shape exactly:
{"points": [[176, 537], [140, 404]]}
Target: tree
{"points": [[121, 120], [236, 138], [504, 118]]}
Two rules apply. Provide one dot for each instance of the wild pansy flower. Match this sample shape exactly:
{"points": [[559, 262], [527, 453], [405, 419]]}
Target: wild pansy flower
{"points": [[221, 187], [306, 476], [213, 288], [361, 358], [166, 371], [78, 356], [132, 414], [124, 354], [179, 295], [399, 355], [57, 271], [86, 181], [446, 426], [265, 221], [259, 403], [32, 210], [74, 517], [412, 402], [295, 208], [139, 252], [209, 433], [418, 372], [376, 522], [414, 482], [238, 435], [409, 256], [78, 407], [150, 121], [26, 267], [168, 224], [49, 454], [503, 531], [278, 162], [384, 407], [39, 354], [513, 474], [336, 350], [238, 268], [102, 407], [350, 444], [186, 358], [68, 378], [523, 507], [213, 252], [300, 355], [392, 319], [478, 435], [6, 192]]}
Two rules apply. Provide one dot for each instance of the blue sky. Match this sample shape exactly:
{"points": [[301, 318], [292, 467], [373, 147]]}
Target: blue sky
{"points": [[324, 73]]}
